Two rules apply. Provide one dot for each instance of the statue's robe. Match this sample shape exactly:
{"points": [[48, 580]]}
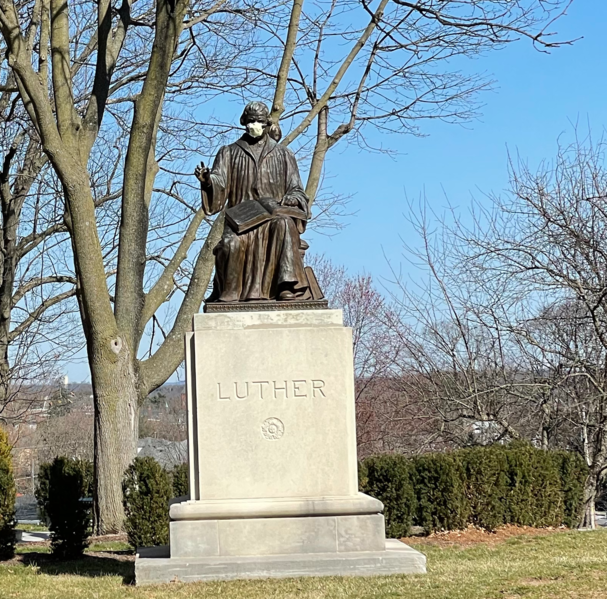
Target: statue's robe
{"points": [[257, 264]]}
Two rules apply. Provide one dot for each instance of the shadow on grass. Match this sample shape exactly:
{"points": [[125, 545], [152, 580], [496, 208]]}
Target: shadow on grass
{"points": [[87, 565]]}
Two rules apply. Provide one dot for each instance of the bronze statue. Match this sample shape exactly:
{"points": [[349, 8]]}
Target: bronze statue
{"points": [[257, 181]]}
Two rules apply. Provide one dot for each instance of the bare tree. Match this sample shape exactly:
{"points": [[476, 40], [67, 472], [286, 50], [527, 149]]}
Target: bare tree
{"points": [[387, 420], [36, 277], [472, 375], [547, 241], [509, 333], [69, 434], [350, 65]]}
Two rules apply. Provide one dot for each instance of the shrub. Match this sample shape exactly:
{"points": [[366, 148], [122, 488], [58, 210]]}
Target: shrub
{"points": [[62, 485], [179, 480], [534, 496], [486, 485], [388, 478], [7, 499], [146, 492], [42, 488], [573, 471], [438, 480]]}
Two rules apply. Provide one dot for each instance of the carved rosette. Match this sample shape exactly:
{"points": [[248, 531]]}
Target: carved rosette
{"points": [[272, 429]]}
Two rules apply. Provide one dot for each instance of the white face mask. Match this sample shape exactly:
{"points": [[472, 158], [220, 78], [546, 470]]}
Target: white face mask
{"points": [[255, 129]]}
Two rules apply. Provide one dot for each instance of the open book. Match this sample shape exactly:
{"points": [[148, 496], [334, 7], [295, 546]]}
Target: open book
{"points": [[252, 213]]}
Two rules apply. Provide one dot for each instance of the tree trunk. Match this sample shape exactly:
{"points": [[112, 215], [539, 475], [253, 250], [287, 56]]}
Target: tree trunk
{"points": [[318, 157], [116, 435], [590, 492]]}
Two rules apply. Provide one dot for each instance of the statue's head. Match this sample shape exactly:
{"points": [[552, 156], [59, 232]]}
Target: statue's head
{"points": [[255, 118]]}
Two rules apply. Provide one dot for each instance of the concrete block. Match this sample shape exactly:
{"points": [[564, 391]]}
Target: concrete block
{"points": [[272, 455], [395, 558], [277, 536], [271, 406], [199, 538], [360, 533], [272, 320]]}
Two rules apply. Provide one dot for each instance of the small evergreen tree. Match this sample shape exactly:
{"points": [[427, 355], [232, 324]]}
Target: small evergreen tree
{"points": [[62, 486], [44, 477], [146, 490], [41, 492], [7, 499], [179, 480]]}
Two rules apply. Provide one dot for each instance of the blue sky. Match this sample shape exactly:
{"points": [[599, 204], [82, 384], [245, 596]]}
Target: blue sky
{"points": [[537, 98]]}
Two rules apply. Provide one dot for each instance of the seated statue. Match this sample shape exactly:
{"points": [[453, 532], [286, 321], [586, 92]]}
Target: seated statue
{"points": [[264, 262]]}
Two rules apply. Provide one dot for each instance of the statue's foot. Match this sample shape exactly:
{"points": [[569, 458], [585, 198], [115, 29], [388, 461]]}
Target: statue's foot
{"points": [[286, 295]]}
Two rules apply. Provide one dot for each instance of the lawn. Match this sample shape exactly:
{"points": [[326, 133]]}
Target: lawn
{"points": [[565, 564]]}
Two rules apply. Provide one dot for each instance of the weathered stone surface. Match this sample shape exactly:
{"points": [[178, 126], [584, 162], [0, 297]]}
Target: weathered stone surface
{"points": [[360, 533], [274, 508], [277, 536], [253, 320], [266, 306], [271, 397], [198, 538], [396, 558]]}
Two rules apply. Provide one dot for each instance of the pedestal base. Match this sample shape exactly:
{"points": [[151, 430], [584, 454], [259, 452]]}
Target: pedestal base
{"points": [[277, 536], [154, 566]]}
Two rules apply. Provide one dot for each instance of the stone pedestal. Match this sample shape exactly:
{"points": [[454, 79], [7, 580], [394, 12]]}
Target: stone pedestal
{"points": [[272, 456]]}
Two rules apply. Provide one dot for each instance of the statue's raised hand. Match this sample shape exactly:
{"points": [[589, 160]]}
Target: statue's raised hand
{"points": [[203, 174]]}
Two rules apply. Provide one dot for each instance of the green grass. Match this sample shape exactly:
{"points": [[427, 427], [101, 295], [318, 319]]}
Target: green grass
{"points": [[32, 527], [106, 546], [111, 546], [568, 565]]}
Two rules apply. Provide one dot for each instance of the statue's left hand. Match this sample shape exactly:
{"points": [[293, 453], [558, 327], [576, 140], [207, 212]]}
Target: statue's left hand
{"points": [[290, 202]]}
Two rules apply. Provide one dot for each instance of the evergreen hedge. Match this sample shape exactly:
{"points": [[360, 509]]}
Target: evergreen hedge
{"points": [[7, 499], [535, 496], [389, 477], [573, 471], [62, 486], [485, 486], [147, 489], [439, 484]]}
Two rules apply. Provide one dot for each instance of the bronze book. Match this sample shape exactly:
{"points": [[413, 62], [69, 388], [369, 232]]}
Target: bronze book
{"points": [[276, 209], [252, 213]]}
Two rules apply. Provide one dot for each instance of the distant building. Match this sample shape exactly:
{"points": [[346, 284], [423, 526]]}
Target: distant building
{"points": [[167, 453]]}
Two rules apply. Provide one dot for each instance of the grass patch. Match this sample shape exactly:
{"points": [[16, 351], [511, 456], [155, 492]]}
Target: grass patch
{"points": [[110, 546], [32, 527], [95, 547], [569, 565]]}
